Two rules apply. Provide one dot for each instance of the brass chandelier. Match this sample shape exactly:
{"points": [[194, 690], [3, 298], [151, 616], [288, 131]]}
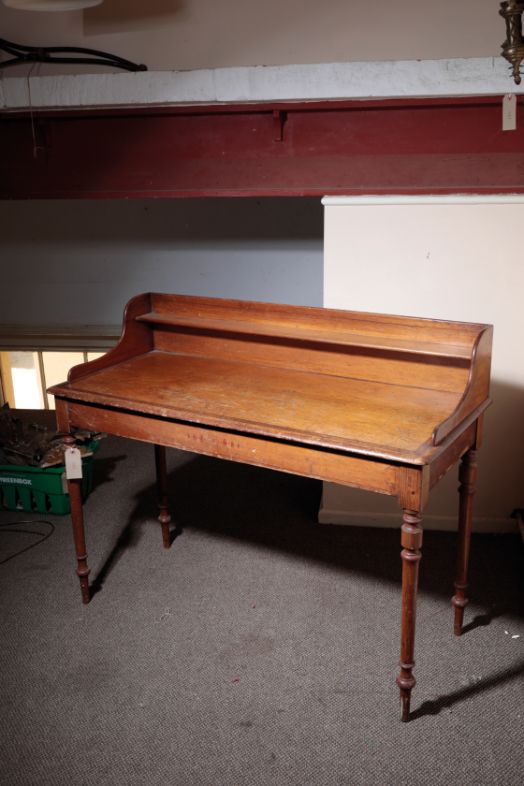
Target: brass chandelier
{"points": [[513, 46]]}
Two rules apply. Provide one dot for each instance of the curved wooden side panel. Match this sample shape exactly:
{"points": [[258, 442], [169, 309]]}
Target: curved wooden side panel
{"points": [[135, 339], [476, 392]]}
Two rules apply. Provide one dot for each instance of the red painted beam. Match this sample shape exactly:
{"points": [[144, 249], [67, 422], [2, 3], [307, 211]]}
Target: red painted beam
{"points": [[411, 146]]}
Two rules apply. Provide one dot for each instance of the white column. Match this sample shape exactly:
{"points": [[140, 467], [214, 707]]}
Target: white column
{"points": [[450, 257]]}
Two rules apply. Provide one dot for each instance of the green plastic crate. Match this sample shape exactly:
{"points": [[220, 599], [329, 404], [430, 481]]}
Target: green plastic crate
{"points": [[36, 490]]}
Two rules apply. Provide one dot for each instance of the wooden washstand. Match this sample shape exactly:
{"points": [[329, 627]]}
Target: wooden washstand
{"points": [[377, 402]]}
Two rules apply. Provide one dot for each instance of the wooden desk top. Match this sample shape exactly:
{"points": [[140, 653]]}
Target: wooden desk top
{"points": [[385, 387], [382, 419]]}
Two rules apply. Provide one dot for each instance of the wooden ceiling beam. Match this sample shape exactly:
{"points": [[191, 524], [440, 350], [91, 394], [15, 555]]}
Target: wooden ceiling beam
{"points": [[405, 146]]}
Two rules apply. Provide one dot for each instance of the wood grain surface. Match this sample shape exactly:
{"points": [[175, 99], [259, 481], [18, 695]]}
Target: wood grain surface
{"points": [[351, 414]]}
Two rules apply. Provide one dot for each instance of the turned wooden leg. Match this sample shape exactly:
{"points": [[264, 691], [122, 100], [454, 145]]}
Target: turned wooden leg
{"points": [[77, 518], [161, 479], [467, 478], [411, 541], [74, 488]]}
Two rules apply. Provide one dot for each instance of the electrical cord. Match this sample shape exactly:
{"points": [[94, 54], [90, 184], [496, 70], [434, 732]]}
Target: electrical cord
{"points": [[43, 535], [62, 54]]}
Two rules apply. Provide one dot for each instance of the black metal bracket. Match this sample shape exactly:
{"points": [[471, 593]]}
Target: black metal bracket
{"points": [[279, 118], [61, 54]]}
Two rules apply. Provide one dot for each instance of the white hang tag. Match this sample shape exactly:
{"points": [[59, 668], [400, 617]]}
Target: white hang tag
{"points": [[73, 464], [509, 112]]}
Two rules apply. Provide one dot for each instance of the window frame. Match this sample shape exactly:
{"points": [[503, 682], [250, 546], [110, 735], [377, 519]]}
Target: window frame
{"points": [[40, 339]]}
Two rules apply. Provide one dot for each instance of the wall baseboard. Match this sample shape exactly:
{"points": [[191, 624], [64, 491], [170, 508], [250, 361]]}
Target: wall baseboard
{"points": [[443, 523]]}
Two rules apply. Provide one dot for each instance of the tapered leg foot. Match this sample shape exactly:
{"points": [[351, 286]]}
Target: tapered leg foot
{"points": [[406, 682], [459, 604], [411, 541], [405, 701], [467, 478], [163, 511], [165, 519], [84, 588]]}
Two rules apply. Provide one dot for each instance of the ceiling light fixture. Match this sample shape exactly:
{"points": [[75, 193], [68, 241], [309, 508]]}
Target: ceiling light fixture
{"points": [[513, 46], [50, 5]]}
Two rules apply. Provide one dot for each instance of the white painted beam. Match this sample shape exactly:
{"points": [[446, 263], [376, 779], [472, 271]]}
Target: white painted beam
{"points": [[324, 81]]}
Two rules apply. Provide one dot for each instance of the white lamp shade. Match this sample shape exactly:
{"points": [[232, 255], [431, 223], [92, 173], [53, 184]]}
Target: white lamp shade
{"points": [[50, 5]]}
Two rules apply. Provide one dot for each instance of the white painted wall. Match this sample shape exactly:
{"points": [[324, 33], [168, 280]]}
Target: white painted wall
{"points": [[77, 262], [191, 34], [437, 259]]}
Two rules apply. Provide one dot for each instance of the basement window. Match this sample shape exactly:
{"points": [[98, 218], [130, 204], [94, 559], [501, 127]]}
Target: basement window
{"points": [[25, 375]]}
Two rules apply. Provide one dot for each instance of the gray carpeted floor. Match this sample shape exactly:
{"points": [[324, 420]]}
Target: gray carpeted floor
{"points": [[260, 649]]}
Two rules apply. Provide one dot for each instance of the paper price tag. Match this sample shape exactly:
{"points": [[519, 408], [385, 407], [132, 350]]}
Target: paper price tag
{"points": [[509, 112], [73, 464]]}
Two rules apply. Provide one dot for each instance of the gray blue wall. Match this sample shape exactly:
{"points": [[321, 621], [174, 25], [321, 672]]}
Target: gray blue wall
{"points": [[78, 262]]}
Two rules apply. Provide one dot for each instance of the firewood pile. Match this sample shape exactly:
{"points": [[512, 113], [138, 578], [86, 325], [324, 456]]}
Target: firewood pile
{"points": [[31, 445]]}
